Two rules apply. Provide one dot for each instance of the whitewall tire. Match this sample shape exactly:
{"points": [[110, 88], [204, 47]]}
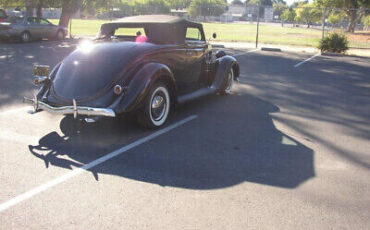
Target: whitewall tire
{"points": [[156, 107]]}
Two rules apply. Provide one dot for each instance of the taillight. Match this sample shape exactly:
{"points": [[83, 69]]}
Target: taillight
{"points": [[37, 80], [117, 89]]}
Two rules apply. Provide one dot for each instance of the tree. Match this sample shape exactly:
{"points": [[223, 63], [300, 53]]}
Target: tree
{"points": [[279, 8], [69, 7], [94, 7], [40, 4], [335, 17], [178, 4], [151, 7], [260, 2], [207, 8], [237, 2], [366, 21], [279, 1], [307, 14], [355, 9], [298, 3], [288, 15], [29, 8]]}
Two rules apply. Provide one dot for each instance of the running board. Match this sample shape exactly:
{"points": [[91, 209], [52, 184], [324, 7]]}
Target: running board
{"points": [[196, 94]]}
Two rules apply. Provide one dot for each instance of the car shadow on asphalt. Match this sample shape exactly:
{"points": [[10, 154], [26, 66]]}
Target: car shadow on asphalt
{"points": [[234, 140]]}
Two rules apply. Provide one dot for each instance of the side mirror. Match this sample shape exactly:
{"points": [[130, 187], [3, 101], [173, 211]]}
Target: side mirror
{"points": [[214, 35], [40, 74]]}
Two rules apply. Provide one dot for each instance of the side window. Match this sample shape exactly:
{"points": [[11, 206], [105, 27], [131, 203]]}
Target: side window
{"points": [[193, 34], [44, 22], [31, 21], [129, 31]]}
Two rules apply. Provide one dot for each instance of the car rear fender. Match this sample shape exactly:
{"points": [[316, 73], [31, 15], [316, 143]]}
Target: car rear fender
{"points": [[222, 66], [141, 84]]}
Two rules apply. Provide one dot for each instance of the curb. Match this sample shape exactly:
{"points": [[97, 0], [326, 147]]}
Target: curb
{"points": [[271, 49], [329, 54]]}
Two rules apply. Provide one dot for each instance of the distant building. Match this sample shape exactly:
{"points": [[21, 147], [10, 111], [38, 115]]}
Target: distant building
{"points": [[226, 17], [251, 12], [237, 11], [234, 12], [268, 14], [52, 13], [15, 12], [179, 12]]}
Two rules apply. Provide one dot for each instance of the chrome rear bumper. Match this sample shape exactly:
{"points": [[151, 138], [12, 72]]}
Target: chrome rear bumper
{"points": [[75, 110]]}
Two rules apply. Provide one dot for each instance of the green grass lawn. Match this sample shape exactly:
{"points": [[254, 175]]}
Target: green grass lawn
{"points": [[229, 32], [267, 34]]}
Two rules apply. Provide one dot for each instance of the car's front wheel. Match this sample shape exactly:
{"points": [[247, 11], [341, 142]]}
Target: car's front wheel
{"points": [[227, 88], [60, 35], [156, 107], [25, 37]]}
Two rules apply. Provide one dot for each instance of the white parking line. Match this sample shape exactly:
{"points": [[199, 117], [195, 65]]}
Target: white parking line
{"points": [[75, 172], [308, 59], [250, 51]]}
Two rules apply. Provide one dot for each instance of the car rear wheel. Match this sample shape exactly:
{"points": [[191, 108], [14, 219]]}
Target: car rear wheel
{"points": [[227, 89], [60, 35], [25, 37], [156, 107]]}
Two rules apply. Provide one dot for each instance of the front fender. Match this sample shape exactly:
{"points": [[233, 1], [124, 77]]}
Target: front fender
{"points": [[141, 84], [222, 66]]}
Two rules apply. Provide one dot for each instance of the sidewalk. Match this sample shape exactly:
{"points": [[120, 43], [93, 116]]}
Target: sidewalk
{"points": [[245, 45]]}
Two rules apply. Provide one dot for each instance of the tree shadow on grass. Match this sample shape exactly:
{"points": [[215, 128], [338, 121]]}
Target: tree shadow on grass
{"points": [[233, 141]]}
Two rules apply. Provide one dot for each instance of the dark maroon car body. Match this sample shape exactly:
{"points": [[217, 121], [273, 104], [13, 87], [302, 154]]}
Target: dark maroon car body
{"points": [[188, 67]]}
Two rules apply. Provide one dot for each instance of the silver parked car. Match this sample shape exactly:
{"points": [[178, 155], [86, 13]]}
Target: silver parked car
{"points": [[30, 28]]}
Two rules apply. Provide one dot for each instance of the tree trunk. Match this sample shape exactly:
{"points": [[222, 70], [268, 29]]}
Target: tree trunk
{"points": [[29, 8], [352, 23], [65, 17], [308, 25], [40, 3]]}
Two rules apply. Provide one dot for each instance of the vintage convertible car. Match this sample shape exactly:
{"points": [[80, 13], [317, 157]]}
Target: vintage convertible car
{"points": [[118, 73]]}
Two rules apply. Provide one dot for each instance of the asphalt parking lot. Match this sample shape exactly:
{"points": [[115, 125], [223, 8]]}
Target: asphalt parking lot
{"points": [[288, 149]]}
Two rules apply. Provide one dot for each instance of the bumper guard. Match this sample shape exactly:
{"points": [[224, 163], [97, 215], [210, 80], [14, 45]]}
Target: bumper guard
{"points": [[75, 110]]}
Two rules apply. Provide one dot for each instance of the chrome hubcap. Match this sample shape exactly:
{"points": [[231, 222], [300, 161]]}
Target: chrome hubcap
{"points": [[158, 106], [25, 37], [230, 81], [60, 35]]}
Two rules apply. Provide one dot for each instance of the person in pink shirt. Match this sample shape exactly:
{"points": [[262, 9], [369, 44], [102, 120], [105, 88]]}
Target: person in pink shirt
{"points": [[140, 38]]}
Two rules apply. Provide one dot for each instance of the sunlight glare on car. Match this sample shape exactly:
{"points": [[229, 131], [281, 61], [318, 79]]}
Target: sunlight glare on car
{"points": [[85, 46]]}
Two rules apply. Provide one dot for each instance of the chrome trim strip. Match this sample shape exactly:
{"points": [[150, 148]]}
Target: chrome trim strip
{"points": [[75, 111], [80, 110]]}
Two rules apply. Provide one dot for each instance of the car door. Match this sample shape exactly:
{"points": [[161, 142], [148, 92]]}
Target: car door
{"points": [[48, 30], [33, 27], [196, 48]]}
